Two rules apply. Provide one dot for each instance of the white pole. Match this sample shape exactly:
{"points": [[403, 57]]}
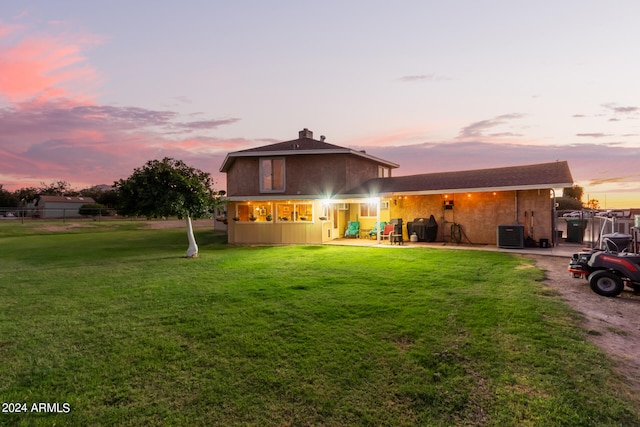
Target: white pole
{"points": [[192, 251]]}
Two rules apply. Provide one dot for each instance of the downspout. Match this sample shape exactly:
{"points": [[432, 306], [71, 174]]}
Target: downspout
{"points": [[554, 233]]}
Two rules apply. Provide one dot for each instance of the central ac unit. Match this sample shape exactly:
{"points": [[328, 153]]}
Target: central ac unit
{"points": [[511, 236]]}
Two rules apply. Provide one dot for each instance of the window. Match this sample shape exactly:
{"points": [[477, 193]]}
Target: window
{"points": [[383, 172], [243, 212], [369, 209], [272, 175], [254, 212], [295, 212]]}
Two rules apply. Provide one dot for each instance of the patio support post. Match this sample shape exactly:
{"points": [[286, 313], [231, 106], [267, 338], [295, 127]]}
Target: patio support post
{"points": [[378, 219]]}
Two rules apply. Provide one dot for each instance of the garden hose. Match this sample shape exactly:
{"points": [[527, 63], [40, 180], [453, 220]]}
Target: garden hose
{"points": [[457, 233]]}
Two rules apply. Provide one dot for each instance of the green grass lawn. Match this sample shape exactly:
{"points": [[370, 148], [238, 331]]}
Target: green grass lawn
{"points": [[112, 320]]}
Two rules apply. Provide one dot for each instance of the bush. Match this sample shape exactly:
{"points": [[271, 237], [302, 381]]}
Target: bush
{"points": [[93, 209], [568, 203]]}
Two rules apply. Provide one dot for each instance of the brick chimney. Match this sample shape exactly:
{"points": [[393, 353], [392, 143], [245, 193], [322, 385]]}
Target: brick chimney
{"points": [[305, 133]]}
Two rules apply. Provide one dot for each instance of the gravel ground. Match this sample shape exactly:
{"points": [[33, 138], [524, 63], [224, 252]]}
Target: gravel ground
{"points": [[613, 324]]}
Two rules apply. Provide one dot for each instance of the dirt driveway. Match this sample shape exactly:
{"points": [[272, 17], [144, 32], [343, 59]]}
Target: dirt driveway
{"points": [[612, 323]]}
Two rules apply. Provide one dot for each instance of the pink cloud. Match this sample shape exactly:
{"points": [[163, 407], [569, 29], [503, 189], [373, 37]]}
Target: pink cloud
{"points": [[6, 29], [95, 144], [44, 67]]}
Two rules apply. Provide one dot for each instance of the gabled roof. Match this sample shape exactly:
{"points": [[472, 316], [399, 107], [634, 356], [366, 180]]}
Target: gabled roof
{"points": [[304, 145], [544, 175], [66, 199]]}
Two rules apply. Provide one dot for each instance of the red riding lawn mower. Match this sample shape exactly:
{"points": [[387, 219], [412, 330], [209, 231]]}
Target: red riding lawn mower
{"points": [[610, 269]]}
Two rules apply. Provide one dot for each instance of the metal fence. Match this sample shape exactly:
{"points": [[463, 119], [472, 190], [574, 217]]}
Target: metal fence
{"points": [[590, 230], [22, 214]]}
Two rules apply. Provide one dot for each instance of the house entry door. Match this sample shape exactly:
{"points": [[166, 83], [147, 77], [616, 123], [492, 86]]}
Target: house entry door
{"points": [[335, 232]]}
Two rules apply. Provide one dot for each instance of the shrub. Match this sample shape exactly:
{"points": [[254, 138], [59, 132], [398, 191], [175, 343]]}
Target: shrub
{"points": [[93, 209]]}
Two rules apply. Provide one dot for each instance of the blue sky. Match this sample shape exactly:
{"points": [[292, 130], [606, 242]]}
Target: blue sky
{"points": [[90, 90]]}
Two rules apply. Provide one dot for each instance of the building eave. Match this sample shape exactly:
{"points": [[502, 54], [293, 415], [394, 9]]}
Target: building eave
{"points": [[228, 161], [274, 197], [346, 197], [452, 191]]}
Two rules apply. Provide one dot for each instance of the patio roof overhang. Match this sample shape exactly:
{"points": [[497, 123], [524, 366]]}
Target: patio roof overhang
{"points": [[357, 198], [450, 191], [274, 197]]}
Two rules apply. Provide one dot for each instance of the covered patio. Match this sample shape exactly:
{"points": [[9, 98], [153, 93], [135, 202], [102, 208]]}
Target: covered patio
{"points": [[559, 250]]}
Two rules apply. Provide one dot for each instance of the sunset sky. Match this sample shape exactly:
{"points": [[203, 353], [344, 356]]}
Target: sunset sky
{"points": [[91, 90]]}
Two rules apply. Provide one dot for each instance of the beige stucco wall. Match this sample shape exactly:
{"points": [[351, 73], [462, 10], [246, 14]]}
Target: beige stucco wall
{"points": [[479, 214]]}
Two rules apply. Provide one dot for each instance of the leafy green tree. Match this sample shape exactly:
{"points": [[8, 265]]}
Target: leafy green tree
{"points": [[168, 187], [108, 198]]}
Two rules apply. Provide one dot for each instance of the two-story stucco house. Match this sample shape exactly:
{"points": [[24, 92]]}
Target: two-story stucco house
{"points": [[307, 190]]}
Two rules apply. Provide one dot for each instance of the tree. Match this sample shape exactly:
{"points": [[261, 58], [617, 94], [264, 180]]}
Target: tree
{"points": [[101, 194], [58, 188], [27, 195], [576, 192], [7, 199], [568, 203], [593, 204], [168, 187]]}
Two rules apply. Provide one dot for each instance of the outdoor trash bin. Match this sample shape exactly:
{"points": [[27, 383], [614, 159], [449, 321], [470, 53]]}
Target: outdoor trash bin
{"points": [[575, 230]]}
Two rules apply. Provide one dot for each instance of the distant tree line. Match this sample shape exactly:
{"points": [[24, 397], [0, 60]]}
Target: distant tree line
{"points": [[160, 188], [107, 197]]}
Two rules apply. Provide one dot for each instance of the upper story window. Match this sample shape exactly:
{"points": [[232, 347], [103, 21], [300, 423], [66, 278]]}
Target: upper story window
{"points": [[384, 172], [272, 175]]}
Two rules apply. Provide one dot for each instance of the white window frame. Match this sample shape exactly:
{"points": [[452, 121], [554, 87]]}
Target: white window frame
{"points": [[371, 206], [384, 172]]}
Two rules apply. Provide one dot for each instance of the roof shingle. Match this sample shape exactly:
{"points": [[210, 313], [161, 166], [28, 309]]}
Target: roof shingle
{"points": [[302, 145], [544, 175]]}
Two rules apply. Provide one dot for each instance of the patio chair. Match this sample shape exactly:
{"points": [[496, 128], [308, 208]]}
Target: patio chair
{"points": [[378, 226], [388, 231], [353, 229]]}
